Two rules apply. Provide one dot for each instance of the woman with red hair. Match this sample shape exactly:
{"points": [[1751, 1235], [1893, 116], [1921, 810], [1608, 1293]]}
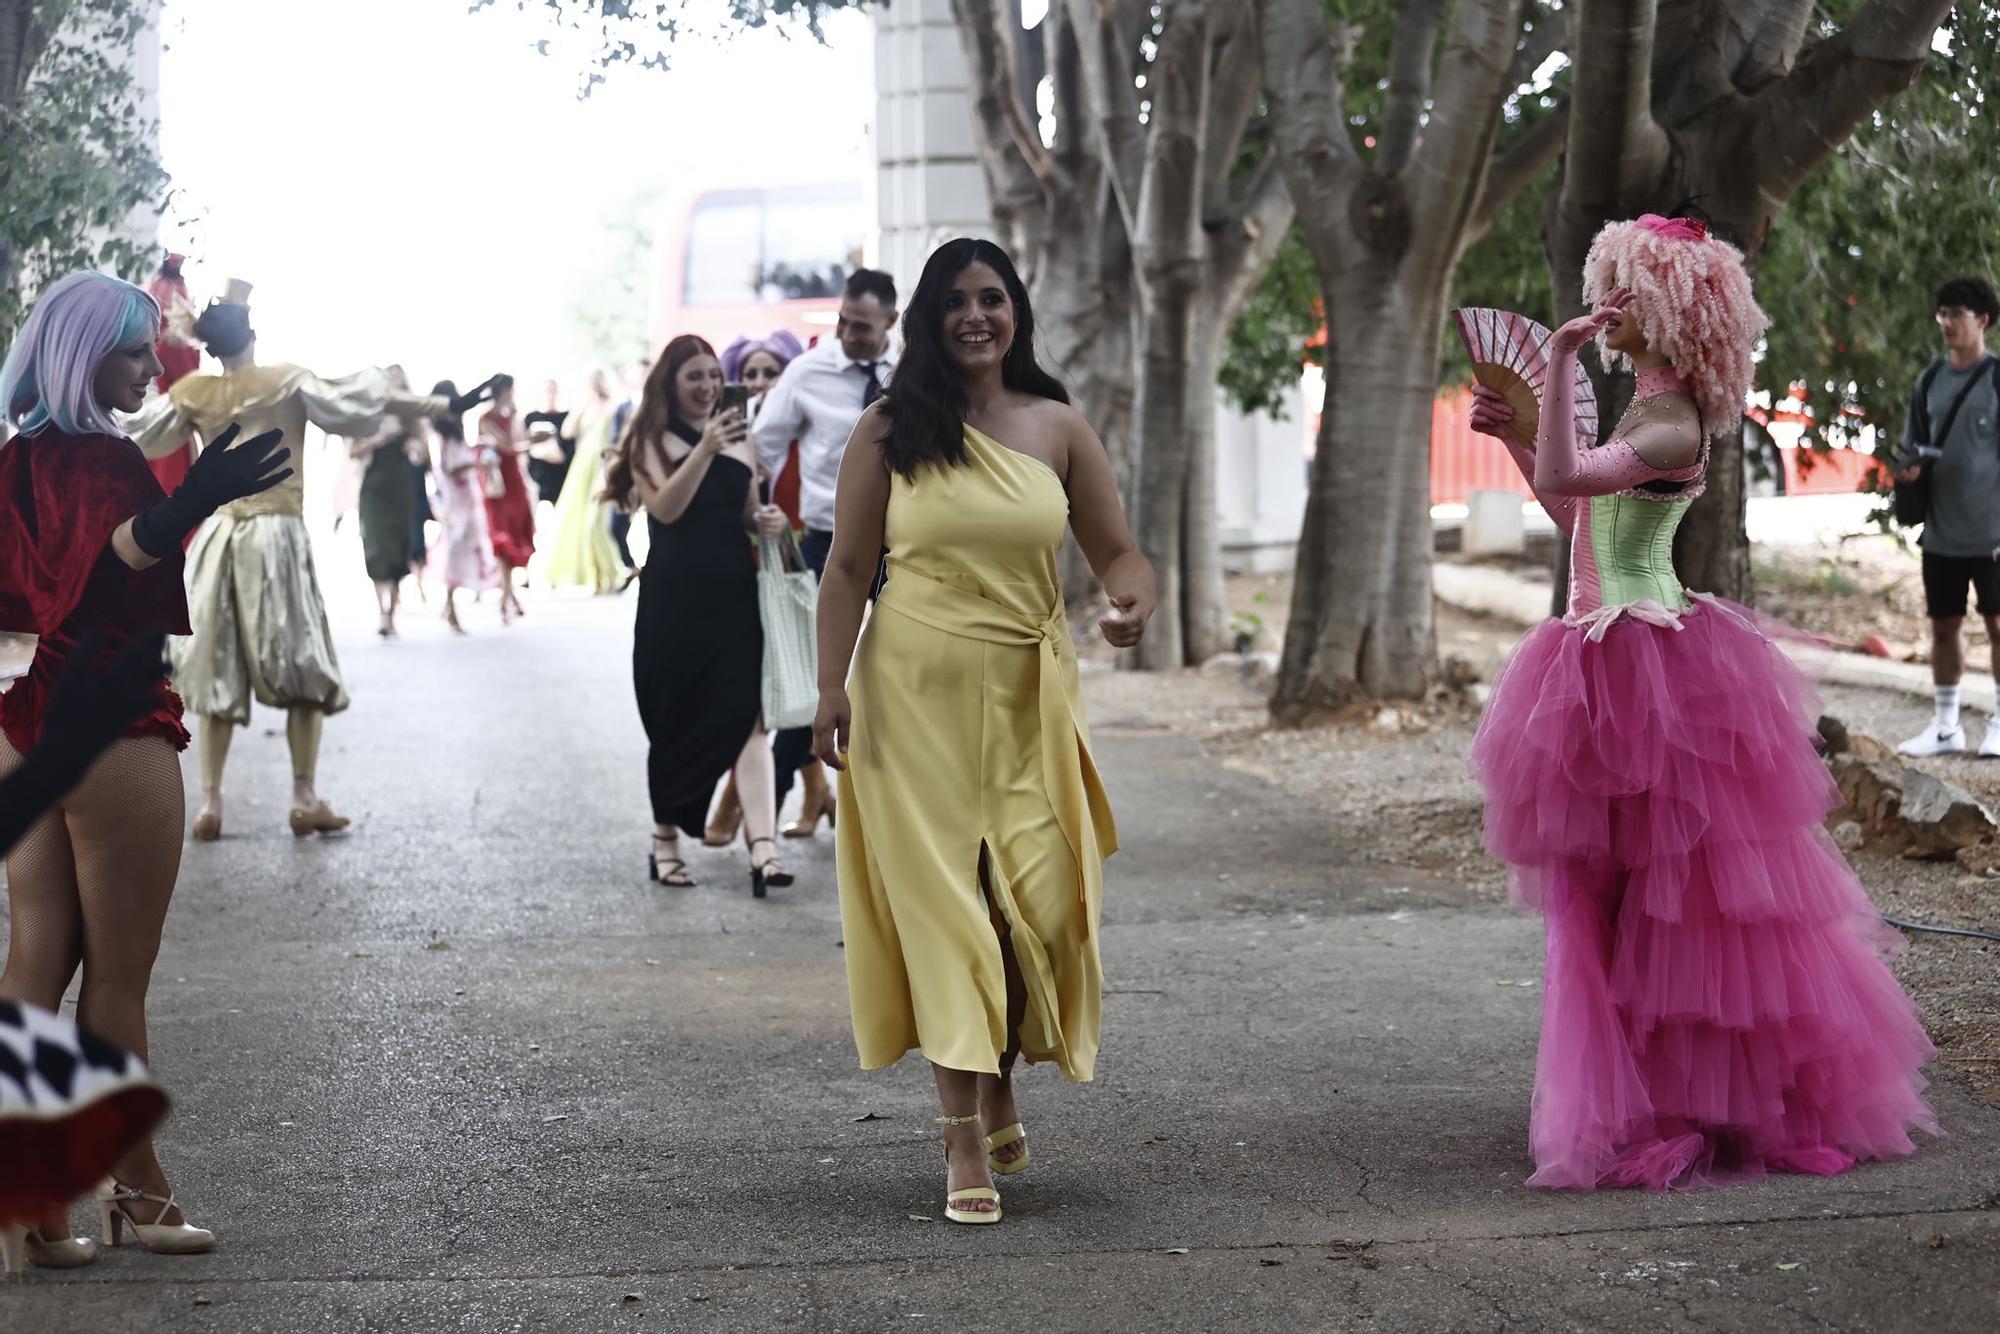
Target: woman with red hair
{"points": [[1717, 1005]]}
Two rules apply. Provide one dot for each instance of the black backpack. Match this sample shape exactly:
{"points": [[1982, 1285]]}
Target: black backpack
{"points": [[1913, 499]]}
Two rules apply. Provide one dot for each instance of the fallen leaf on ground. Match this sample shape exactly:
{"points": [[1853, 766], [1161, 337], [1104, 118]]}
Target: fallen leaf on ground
{"points": [[1794, 1264], [1177, 1250], [869, 1116], [920, 1218], [551, 1120], [436, 945], [634, 1297]]}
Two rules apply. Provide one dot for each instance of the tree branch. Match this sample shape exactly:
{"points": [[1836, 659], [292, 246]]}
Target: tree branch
{"points": [[1613, 138], [1451, 166], [1514, 166], [1114, 102], [1168, 236], [1252, 241], [1537, 45], [987, 33], [1235, 90], [1410, 60], [1837, 84], [1760, 41], [1304, 58]]}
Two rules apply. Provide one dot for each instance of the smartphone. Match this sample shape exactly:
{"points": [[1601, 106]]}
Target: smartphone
{"points": [[735, 396]]}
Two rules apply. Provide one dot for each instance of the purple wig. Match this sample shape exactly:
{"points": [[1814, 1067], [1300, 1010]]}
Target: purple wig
{"points": [[47, 380], [783, 344]]}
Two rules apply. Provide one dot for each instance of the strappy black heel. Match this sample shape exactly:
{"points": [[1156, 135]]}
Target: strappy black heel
{"points": [[772, 874], [670, 870]]}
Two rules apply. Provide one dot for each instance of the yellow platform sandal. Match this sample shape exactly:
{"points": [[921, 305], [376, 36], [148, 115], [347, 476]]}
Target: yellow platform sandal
{"points": [[1000, 1139], [971, 1193]]}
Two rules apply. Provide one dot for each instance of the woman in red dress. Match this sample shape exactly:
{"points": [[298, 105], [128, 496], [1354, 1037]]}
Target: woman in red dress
{"points": [[90, 553], [510, 515]]}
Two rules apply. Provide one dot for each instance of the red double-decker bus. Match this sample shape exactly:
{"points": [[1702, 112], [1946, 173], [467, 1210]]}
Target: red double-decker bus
{"points": [[753, 259]]}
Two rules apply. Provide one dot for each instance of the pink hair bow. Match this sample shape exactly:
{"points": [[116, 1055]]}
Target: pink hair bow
{"points": [[1680, 229]]}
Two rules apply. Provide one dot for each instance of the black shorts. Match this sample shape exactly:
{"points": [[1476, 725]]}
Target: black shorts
{"points": [[1945, 578]]}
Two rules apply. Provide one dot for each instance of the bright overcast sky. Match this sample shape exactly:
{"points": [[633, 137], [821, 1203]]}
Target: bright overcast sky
{"points": [[404, 181]]}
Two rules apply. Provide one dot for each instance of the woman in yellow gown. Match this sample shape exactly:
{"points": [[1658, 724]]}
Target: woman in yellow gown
{"points": [[584, 552], [973, 825]]}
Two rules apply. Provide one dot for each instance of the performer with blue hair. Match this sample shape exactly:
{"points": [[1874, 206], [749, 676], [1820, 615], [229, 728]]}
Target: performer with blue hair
{"points": [[90, 562]]}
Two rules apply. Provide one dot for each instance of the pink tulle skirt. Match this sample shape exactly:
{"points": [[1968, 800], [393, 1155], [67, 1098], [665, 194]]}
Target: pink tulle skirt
{"points": [[1717, 1003]]}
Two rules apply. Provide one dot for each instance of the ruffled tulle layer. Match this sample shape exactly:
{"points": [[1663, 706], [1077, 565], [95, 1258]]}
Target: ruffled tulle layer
{"points": [[1717, 1002]]}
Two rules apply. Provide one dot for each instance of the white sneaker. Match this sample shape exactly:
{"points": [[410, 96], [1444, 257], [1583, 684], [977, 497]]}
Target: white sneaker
{"points": [[1934, 740], [1989, 749]]}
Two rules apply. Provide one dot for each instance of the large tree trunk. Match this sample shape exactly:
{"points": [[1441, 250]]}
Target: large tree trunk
{"points": [[1164, 429], [1723, 101], [1202, 619], [1361, 619], [1385, 233]]}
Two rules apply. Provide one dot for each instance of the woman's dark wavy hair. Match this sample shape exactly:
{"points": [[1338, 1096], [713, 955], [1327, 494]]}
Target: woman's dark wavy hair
{"points": [[659, 408], [925, 400], [447, 424]]}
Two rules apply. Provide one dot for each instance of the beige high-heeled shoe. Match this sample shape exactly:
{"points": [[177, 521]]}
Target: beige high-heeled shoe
{"points": [[159, 1238], [22, 1246]]}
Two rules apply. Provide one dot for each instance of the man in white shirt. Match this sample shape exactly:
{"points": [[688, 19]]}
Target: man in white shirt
{"points": [[817, 401]]}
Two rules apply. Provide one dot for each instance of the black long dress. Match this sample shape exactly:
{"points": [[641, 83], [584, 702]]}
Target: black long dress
{"points": [[698, 645]]}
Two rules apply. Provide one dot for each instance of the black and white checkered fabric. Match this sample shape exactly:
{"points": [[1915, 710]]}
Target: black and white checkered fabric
{"points": [[49, 1067]]}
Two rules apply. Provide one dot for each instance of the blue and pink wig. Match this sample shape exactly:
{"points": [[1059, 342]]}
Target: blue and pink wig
{"points": [[81, 318]]}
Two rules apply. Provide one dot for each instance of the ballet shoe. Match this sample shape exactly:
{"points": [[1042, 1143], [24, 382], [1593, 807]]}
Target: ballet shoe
{"points": [[317, 818]]}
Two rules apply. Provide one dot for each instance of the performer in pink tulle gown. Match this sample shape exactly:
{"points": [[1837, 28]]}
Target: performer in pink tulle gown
{"points": [[1717, 1003]]}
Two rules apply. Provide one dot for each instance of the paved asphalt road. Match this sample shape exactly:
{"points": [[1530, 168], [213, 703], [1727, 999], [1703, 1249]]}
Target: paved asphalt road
{"points": [[466, 1070]]}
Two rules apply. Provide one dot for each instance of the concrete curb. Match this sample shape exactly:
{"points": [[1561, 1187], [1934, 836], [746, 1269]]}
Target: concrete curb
{"points": [[1489, 591]]}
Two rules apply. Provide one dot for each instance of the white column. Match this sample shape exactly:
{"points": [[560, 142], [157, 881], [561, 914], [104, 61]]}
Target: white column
{"points": [[929, 186]]}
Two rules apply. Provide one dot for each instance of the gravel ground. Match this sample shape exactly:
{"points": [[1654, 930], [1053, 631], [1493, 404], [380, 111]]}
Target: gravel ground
{"points": [[1395, 791]]}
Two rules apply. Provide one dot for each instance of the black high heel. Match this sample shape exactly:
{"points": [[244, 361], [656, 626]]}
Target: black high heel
{"points": [[670, 871], [771, 874]]}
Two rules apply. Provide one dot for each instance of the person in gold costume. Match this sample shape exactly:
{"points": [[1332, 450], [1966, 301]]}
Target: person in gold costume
{"points": [[260, 628], [972, 826]]}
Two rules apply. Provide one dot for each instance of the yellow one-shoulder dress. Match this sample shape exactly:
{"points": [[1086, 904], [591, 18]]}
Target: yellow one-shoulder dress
{"points": [[968, 744]]}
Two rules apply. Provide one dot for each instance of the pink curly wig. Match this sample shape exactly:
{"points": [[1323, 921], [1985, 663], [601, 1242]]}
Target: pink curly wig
{"points": [[1693, 303]]}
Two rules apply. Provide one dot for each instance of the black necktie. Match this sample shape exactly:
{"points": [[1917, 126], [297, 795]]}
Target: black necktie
{"points": [[873, 390]]}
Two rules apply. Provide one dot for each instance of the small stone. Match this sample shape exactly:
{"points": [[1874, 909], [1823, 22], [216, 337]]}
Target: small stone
{"points": [[1849, 835]]}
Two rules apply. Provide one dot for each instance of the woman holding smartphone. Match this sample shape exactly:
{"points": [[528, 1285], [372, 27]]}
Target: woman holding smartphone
{"points": [[698, 643]]}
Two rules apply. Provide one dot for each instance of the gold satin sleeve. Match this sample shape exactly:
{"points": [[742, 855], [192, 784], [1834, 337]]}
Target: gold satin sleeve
{"points": [[159, 426]]}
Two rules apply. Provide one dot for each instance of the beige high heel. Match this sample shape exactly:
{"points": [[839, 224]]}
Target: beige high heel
{"points": [[970, 1194], [22, 1246], [159, 1238]]}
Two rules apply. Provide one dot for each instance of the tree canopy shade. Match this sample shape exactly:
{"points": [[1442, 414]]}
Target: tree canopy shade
{"points": [[1905, 204], [642, 32], [76, 160]]}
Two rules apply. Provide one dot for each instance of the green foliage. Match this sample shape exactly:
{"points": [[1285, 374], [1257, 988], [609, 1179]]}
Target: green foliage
{"points": [[1852, 265], [607, 311], [641, 32], [76, 160], [1276, 335]]}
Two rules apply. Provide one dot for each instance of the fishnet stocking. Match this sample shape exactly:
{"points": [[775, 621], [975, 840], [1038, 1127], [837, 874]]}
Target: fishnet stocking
{"points": [[45, 923]]}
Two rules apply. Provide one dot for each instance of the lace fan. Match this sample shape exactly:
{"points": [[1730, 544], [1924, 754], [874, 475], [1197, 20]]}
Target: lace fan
{"points": [[1510, 353]]}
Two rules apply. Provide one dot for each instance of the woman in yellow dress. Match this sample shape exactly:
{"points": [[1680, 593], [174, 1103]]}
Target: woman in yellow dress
{"points": [[584, 552], [973, 825]]}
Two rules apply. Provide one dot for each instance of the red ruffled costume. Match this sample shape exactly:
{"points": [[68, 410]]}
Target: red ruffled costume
{"points": [[61, 499]]}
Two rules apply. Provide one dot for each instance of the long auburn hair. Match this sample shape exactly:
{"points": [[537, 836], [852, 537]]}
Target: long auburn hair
{"points": [[925, 400], [659, 407]]}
